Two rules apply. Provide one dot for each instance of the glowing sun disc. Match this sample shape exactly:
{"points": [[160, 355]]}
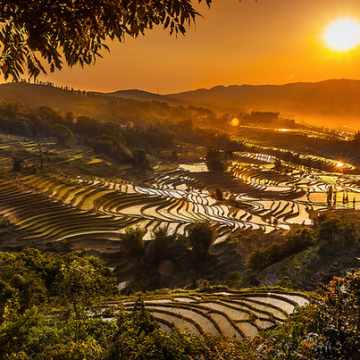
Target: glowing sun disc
{"points": [[235, 122], [342, 34]]}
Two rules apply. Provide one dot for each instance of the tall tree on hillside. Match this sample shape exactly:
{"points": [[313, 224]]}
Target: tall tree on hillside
{"points": [[77, 287], [133, 242], [63, 134], [77, 30], [216, 160], [17, 163], [201, 237]]}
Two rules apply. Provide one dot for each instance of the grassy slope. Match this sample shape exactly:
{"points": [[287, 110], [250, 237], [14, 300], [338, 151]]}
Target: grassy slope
{"points": [[314, 265]]}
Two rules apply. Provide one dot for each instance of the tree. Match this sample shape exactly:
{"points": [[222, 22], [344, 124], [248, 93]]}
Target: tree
{"points": [[219, 194], [325, 329], [216, 160], [78, 286], [17, 163], [41, 155], [133, 241], [63, 134], [162, 244], [78, 30], [340, 231], [141, 158], [201, 237]]}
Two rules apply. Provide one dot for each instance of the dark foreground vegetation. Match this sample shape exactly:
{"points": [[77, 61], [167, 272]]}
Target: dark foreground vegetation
{"points": [[52, 307], [298, 259]]}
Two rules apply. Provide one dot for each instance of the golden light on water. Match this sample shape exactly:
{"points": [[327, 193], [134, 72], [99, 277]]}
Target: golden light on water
{"points": [[235, 122], [342, 35]]}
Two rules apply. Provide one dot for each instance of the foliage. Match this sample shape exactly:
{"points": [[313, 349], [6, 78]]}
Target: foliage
{"points": [[162, 244], [77, 287], [138, 337], [219, 194], [153, 137], [326, 329], [339, 231], [63, 134], [201, 236], [294, 243], [233, 279], [133, 241], [33, 277], [141, 159], [133, 335], [36, 30], [36, 335], [29, 283], [110, 138], [285, 282], [159, 136], [216, 160], [17, 163]]}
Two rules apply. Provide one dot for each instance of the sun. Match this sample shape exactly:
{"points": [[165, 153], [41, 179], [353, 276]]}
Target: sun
{"points": [[342, 34], [235, 122]]}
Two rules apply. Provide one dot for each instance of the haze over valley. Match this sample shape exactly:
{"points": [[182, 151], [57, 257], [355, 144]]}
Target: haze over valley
{"points": [[331, 103]]}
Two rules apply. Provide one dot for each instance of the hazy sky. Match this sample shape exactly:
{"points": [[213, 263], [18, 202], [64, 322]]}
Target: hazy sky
{"points": [[247, 42]]}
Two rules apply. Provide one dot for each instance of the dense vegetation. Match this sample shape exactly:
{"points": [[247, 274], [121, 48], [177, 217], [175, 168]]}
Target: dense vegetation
{"points": [[75, 34], [246, 260], [122, 139], [52, 308], [327, 329]]}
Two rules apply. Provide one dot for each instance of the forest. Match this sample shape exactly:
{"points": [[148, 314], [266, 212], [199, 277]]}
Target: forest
{"points": [[53, 307]]}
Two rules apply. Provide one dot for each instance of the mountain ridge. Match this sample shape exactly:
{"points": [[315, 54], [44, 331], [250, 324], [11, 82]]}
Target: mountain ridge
{"points": [[330, 102]]}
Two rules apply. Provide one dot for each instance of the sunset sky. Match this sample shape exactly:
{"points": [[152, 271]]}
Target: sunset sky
{"points": [[247, 42]]}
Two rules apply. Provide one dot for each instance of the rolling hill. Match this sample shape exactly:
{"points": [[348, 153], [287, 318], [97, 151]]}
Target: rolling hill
{"points": [[330, 102], [333, 103]]}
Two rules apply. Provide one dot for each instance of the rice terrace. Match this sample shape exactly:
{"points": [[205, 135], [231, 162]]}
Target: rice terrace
{"points": [[174, 197], [249, 182], [187, 198], [260, 192], [60, 200], [257, 196]]}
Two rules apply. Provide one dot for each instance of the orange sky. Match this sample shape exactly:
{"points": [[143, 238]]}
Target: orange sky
{"points": [[247, 42]]}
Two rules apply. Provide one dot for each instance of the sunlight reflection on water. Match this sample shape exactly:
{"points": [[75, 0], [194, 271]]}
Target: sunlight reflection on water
{"points": [[198, 167]]}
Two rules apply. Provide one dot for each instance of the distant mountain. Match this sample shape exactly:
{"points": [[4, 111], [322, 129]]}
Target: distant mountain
{"points": [[323, 103], [332, 103], [136, 106], [141, 95], [93, 104]]}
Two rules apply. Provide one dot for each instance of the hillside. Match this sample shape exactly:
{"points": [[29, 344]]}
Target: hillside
{"points": [[141, 95], [138, 109], [328, 102]]}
